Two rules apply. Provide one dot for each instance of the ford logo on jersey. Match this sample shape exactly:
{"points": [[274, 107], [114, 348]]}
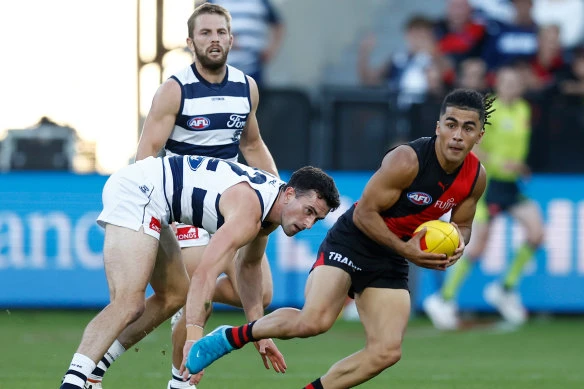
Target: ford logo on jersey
{"points": [[419, 198], [198, 123]]}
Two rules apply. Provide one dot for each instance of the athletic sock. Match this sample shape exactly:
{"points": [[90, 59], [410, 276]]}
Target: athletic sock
{"points": [[314, 385], [113, 353], [79, 369], [177, 381], [240, 336], [522, 256], [455, 279]]}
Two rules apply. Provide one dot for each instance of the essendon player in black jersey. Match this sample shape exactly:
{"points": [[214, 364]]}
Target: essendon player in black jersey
{"points": [[366, 252]]}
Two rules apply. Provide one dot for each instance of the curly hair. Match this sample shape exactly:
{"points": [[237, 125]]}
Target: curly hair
{"points": [[470, 99]]}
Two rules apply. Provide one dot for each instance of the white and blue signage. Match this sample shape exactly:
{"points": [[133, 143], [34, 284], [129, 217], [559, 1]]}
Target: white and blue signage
{"points": [[50, 246]]}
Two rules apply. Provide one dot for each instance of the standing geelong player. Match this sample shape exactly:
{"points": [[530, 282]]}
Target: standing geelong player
{"points": [[366, 253], [208, 109]]}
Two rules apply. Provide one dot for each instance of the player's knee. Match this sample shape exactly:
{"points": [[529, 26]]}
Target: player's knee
{"points": [[132, 308], [536, 238], [384, 356], [174, 299], [313, 325], [267, 298]]}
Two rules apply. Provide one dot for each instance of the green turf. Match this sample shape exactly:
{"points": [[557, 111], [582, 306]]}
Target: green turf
{"points": [[36, 348]]}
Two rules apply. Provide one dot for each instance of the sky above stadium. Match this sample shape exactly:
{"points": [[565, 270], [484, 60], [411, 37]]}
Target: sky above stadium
{"points": [[75, 62]]}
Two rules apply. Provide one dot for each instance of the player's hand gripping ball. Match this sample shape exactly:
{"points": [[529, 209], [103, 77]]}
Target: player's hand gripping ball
{"points": [[441, 237]]}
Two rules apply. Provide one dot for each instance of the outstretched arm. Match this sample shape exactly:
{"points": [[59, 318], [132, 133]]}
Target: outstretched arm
{"points": [[249, 271], [241, 210]]}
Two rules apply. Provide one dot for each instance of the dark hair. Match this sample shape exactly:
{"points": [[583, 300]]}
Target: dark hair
{"points": [[310, 178], [470, 99], [208, 8], [419, 21]]}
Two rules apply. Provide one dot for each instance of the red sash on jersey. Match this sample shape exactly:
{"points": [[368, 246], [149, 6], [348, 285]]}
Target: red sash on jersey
{"points": [[460, 189]]}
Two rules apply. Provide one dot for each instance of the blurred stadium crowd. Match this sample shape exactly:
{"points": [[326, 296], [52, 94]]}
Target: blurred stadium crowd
{"points": [[544, 40]]}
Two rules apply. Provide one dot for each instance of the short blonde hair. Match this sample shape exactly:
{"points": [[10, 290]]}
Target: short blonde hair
{"points": [[208, 8]]}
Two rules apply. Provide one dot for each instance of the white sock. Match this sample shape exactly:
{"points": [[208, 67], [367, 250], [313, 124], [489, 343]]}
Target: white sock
{"points": [[79, 369], [177, 382], [113, 353]]}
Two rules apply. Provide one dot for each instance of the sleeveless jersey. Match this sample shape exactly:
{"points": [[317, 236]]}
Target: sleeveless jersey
{"points": [[433, 192], [211, 116], [193, 186]]}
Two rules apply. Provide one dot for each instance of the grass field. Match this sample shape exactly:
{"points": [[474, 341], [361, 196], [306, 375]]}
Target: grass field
{"points": [[36, 348]]}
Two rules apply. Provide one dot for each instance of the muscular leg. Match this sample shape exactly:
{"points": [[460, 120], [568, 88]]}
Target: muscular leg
{"points": [[384, 314], [126, 252], [529, 215], [325, 293], [170, 283]]}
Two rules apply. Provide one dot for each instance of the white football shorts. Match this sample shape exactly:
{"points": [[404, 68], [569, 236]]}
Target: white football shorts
{"points": [[133, 197]]}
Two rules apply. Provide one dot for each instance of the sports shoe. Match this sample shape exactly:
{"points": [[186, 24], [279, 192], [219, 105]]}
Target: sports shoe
{"points": [[92, 384], [208, 349], [175, 318], [442, 313], [508, 303], [185, 385]]}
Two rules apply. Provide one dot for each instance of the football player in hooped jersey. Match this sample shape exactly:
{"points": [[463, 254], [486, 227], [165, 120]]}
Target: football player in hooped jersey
{"points": [[366, 253], [238, 204], [207, 108]]}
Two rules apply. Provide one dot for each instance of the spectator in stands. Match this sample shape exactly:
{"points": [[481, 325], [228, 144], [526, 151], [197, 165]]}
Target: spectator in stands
{"points": [[501, 10], [459, 35], [438, 88], [472, 74], [571, 83], [258, 32], [507, 43], [420, 116], [548, 61], [567, 14], [404, 72]]}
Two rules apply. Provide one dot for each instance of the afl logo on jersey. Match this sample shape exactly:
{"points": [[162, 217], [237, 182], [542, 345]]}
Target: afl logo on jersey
{"points": [[198, 123], [419, 198]]}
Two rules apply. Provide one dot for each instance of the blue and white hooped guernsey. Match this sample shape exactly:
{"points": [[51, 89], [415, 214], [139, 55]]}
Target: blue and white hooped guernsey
{"points": [[212, 116], [193, 186]]}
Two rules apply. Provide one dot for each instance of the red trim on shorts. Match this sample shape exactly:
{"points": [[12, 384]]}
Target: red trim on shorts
{"points": [[319, 261]]}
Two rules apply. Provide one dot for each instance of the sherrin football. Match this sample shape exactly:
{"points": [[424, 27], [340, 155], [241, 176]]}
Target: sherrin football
{"points": [[441, 237]]}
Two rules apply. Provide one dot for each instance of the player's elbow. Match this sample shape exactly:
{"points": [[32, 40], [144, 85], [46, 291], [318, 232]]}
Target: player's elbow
{"points": [[360, 217]]}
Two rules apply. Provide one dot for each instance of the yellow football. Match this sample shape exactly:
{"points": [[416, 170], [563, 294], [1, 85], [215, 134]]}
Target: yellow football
{"points": [[441, 237]]}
